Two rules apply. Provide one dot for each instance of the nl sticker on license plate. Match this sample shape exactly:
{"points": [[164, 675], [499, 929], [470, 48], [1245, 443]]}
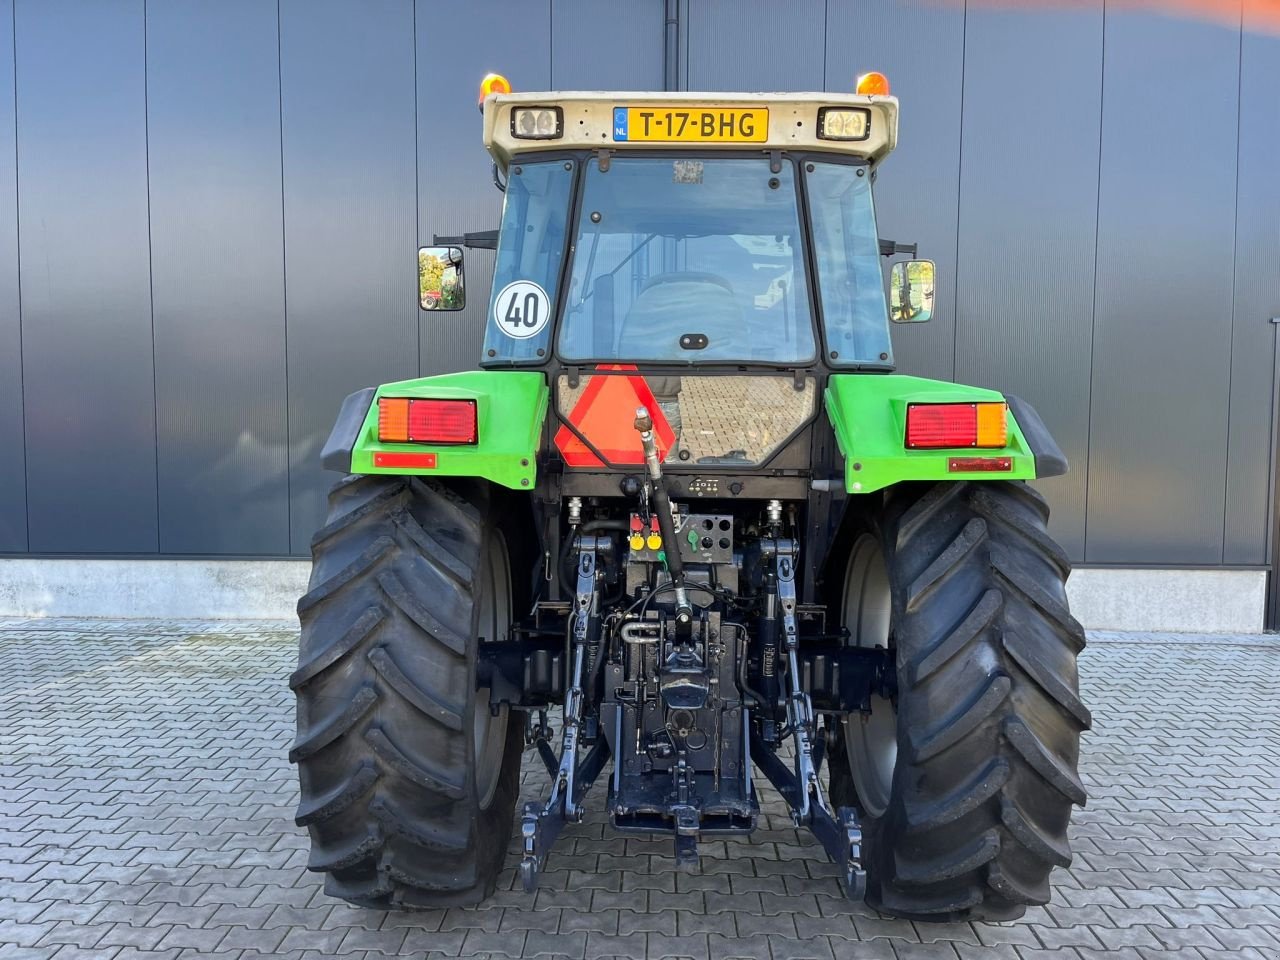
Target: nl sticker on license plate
{"points": [[692, 125]]}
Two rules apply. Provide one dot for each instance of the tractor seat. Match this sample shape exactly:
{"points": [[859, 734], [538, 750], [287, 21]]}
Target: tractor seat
{"points": [[672, 304]]}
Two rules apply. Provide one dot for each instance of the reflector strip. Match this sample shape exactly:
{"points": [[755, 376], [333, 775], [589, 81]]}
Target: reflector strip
{"points": [[420, 461], [979, 464]]}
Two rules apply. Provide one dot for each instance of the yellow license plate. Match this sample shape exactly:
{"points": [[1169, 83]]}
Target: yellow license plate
{"points": [[691, 124]]}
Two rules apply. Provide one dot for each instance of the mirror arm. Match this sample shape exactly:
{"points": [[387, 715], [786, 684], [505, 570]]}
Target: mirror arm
{"points": [[891, 248], [480, 239], [498, 181]]}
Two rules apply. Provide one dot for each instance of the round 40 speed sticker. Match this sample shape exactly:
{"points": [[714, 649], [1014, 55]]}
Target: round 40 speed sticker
{"points": [[522, 309]]}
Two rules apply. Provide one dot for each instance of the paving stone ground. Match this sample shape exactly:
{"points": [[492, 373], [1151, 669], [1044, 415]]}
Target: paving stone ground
{"points": [[146, 811]]}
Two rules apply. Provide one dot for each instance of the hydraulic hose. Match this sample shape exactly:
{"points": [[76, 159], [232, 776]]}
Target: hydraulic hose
{"points": [[662, 506]]}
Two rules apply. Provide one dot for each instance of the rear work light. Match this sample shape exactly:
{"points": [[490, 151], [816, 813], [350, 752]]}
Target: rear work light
{"points": [[940, 425], [536, 123], [841, 123], [402, 420]]}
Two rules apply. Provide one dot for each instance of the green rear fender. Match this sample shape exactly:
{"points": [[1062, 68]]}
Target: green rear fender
{"points": [[869, 415], [510, 409]]}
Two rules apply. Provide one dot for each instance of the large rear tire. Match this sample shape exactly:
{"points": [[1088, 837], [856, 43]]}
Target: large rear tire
{"points": [[408, 779], [966, 780]]}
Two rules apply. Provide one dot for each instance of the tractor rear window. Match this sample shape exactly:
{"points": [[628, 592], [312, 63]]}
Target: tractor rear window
{"points": [[688, 260]]}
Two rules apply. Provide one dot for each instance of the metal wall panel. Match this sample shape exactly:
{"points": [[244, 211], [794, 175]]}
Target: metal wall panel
{"points": [[347, 102], [1028, 222], [755, 45], [455, 188], [1257, 301], [86, 302], [920, 47], [1159, 383], [218, 276], [1162, 338], [607, 46], [13, 462]]}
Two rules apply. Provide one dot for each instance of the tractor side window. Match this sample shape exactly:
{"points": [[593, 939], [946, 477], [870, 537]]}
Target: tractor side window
{"points": [[847, 250], [688, 260], [522, 304]]}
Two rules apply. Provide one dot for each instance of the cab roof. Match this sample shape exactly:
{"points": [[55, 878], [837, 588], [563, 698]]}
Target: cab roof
{"points": [[587, 121]]}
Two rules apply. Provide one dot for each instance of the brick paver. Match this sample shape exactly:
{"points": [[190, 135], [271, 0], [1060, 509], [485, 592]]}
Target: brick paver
{"points": [[146, 812]]}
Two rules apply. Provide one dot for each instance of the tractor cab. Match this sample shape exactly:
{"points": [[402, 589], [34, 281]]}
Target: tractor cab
{"points": [[688, 230], [708, 256]]}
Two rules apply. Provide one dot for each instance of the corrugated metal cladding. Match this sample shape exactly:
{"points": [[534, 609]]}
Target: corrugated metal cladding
{"points": [[209, 213]]}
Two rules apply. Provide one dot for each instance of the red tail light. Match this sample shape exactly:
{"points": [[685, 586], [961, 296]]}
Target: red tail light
{"points": [[426, 421], [941, 425], [938, 425], [442, 421]]}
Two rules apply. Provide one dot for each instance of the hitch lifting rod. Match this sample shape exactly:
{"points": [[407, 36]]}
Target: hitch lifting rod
{"points": [[662, 504]]}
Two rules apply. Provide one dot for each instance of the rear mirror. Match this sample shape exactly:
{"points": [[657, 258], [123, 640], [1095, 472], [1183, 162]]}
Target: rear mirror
{"points": [[440, 285], [911, 291]]}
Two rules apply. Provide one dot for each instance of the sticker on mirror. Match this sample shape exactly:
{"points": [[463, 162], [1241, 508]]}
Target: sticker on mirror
{"points": [[522, 309]]}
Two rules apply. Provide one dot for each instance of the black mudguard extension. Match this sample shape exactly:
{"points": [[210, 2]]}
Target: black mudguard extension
{"points": [[336, 454], [1050, 460]]}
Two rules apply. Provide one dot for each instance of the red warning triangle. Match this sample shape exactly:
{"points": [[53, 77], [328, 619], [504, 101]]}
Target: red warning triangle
{"points": [[605, 416]]}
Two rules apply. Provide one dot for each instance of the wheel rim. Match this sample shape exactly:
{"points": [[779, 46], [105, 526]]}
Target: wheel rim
{"points": [[871, 740], [495, 616]]}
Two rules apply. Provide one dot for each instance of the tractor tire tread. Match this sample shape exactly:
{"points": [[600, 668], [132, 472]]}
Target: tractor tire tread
{"points": [[339, 798], [950, 864], [973, 533], [366, 561], [929, 742], [976, 620], [429, 779], [400, 595], [970, 795], [989, 710], [450, 564], [342, 857], [918, 516], [1047, 681], [428, 703], [311, 742], [384, 740], [334, 652], [1049, 767]]}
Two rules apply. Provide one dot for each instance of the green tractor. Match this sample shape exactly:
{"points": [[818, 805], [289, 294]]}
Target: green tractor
{"points": [[685, 529]]}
